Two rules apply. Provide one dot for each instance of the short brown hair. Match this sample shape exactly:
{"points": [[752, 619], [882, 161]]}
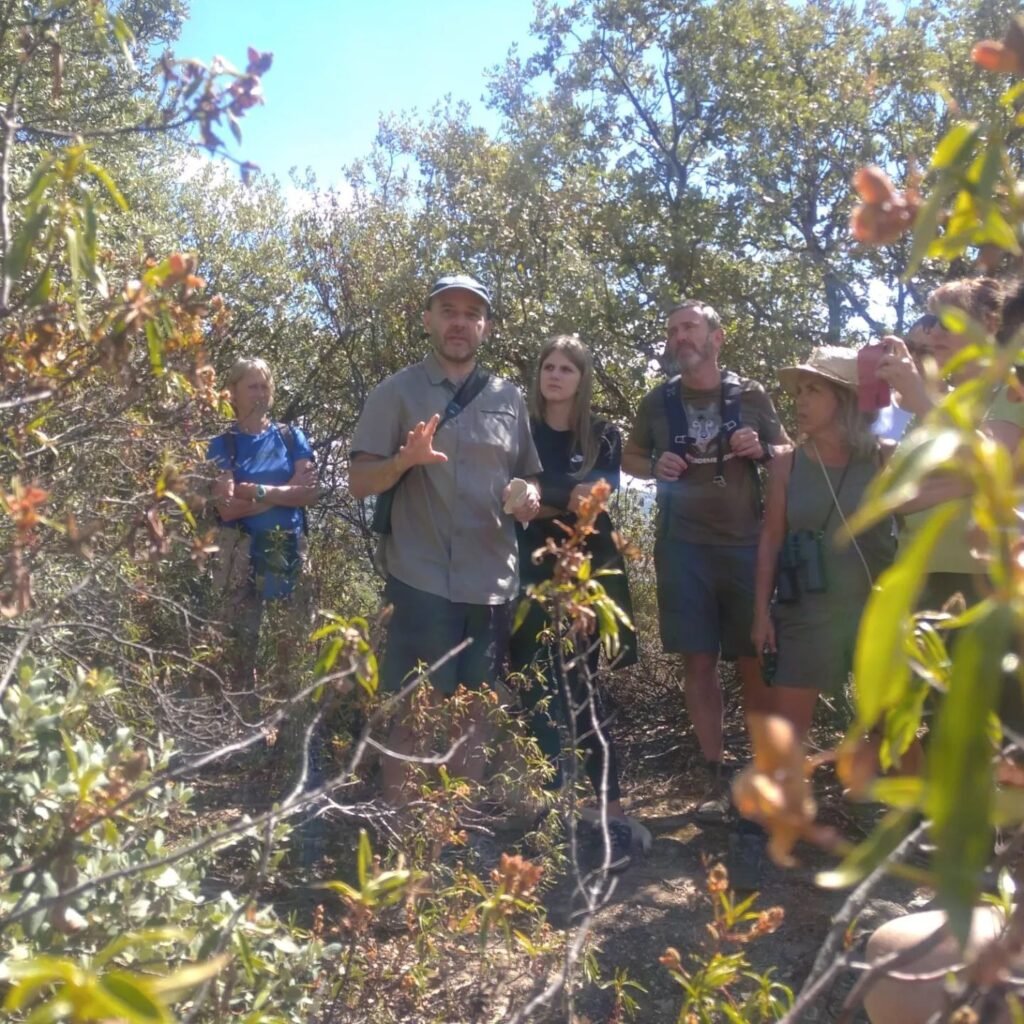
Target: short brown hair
{"points": [[980, 297], [711, 317]]}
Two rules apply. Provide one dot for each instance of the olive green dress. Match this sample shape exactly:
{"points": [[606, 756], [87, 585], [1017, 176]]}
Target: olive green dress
{"points": [[817, 633]]}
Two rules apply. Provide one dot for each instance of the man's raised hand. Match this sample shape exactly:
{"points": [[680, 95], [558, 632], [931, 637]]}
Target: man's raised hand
{"points": [[418, 449]]}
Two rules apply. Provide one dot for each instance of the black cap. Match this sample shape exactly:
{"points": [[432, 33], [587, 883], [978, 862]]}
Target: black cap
{"points": [[463, 281]]}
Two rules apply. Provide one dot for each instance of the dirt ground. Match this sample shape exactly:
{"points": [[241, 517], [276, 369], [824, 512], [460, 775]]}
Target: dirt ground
{"points": [[661, 900]]}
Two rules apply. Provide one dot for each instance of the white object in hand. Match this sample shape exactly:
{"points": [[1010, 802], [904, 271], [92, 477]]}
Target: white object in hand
{"points": [[517, 491]]}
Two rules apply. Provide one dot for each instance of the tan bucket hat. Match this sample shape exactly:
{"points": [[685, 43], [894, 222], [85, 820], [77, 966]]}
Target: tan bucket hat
{"points": [[836, 363]]}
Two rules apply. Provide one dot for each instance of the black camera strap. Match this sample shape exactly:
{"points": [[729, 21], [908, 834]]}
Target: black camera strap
{"points": [[466, 392]]}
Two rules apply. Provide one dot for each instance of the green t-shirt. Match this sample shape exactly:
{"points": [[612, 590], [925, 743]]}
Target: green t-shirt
{"points": [[702, 512], [953, 553]]}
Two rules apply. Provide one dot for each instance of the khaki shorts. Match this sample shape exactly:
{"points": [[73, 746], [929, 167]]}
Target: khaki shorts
{"points": [[236, 596]]}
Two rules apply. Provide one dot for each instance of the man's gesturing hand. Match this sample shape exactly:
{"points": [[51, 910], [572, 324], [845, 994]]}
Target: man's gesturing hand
{"points": [[418, 449]]}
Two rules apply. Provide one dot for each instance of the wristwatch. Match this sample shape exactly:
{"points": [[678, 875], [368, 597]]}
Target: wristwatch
{"points": [[769, 454], [261, 492]]}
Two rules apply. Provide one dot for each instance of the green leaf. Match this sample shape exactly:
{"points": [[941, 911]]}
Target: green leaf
{"points": [[960, 787], [364, 858], [926, 225], [522, 611], [137, 1003], [167, 879], [124, 36], [924, 451], [865, 857], [156, 347], [22, 243], [187, 978], [990, 167], [881, 673], [183, 508], [107, 182], [901, 791], [41, 290], [952, 147], [328, 657]]}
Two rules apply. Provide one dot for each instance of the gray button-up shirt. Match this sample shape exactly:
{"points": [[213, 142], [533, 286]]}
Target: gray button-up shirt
{"points": [[449, 535]]}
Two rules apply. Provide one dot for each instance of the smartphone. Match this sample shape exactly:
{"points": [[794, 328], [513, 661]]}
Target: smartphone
{"points": [[872, 393], [769, 666]]}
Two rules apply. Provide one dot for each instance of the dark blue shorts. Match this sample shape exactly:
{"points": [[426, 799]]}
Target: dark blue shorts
{"points": [[705, 597], [425, 627]]}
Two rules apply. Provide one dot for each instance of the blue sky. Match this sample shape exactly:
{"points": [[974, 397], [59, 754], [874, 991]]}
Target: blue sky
{"points": [[339, 64]]}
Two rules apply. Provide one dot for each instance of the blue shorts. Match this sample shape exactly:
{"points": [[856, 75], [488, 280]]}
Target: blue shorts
{"points": [[705, 597], [425, 627]]}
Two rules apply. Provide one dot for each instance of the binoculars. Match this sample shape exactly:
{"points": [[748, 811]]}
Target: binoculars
{"points": [[801, 566]]}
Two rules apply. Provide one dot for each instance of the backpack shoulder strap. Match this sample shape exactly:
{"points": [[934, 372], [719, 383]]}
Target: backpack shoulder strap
{"points": [[679, 439], [732, 389], [291, 445], [231, 447], [288, 436]]}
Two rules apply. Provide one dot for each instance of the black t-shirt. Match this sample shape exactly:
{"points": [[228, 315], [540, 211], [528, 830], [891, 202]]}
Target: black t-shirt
{"points": [[561, 459]]}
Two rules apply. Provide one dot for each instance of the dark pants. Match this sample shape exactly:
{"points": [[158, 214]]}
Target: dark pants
{"points": [[425, 627], [543, 678], [705, 597]]}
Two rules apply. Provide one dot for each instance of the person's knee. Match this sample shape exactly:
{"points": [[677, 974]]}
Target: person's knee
{"points": [[700, 671]]}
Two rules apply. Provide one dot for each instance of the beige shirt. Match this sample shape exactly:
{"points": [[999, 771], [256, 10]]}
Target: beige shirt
{"points": [[449, 535]]}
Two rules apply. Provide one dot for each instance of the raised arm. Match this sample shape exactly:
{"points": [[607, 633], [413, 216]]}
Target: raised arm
{"points": [[374, 474]]}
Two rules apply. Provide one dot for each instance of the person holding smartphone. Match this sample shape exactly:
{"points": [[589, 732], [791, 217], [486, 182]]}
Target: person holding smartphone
{"points": [[954, 567]]}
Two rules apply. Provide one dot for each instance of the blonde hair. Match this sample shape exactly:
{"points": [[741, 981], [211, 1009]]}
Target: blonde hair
{"points": [[855, 425], [242, 366], [581, 422]]}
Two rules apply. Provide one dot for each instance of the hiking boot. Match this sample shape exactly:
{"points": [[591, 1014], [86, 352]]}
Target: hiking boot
{"points": [[620, 843], [745, 860], [715, 806]]}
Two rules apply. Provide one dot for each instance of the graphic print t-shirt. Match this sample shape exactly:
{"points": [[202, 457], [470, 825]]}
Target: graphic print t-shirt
{"points": [[701, 511]]}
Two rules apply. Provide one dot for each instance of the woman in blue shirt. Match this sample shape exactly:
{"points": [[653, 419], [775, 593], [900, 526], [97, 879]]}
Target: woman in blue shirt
{"points": [[267, 480]]}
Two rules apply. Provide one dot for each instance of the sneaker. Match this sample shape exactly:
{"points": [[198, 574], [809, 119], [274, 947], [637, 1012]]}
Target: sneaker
{"points": [[620, 841], [715, 806], [745, 860]]}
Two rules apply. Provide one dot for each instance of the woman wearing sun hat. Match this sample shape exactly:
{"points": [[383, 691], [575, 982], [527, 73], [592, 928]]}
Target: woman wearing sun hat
{"points": [[809, 592]]}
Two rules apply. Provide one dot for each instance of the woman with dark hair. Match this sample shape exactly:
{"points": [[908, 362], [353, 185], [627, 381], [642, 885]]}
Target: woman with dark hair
{"points": [[576, 450], [819, 590]]}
